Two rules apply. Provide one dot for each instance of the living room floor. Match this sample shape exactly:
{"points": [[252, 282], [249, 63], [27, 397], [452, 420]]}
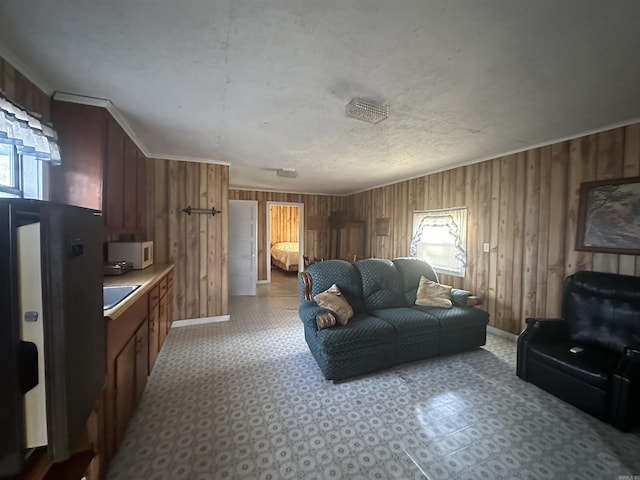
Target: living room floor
{"points": [[245, 399]]}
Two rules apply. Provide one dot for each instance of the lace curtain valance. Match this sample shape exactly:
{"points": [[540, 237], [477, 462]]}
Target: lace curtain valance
{"points": [[31, 136]]}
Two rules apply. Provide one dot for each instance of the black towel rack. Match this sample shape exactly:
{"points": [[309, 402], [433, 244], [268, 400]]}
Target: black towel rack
{"points": [[205, 211]]}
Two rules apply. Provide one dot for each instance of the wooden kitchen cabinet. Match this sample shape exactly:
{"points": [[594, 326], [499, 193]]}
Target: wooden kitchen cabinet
{"points": [[142, 360], [102, 168], [135, 338], [154, 326], [169, 300], [127, 339], [131, 371], [125, 398], [82, 133]]}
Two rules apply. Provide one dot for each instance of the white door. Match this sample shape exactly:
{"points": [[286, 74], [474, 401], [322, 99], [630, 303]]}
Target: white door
{"points": [[243, 247]]}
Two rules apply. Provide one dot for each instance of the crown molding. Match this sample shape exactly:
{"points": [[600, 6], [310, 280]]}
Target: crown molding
{"points": [[275, 190], [26, 71], [115, 113], [110, 107], [182, 158], [464, 163]]}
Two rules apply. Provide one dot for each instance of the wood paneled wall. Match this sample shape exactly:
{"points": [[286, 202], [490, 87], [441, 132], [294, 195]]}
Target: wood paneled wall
{"points": [[17, 88], [196, 244], [525, 206], [316, 242], [284, 223]]}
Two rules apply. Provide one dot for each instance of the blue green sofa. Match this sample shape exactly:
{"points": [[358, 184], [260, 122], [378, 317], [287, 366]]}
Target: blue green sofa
{"points": [[387, 328]]}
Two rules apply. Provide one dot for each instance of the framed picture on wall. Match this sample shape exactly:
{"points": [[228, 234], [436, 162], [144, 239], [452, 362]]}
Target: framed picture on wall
{"points": [[609, 216]]}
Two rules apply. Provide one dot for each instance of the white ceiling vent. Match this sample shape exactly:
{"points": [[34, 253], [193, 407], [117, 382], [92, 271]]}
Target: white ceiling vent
{"points": [[287, 172], [366, 110]]}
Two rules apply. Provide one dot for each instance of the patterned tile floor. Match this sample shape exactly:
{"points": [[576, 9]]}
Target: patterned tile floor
{"points": [[245, 400]]}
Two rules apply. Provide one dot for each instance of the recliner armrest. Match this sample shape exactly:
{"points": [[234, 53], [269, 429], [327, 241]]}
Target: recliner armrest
{"points": [[538, 330], [625, 391], [545, 330]]}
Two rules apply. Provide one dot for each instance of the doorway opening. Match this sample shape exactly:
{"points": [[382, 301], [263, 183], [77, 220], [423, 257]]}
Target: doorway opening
{"points": [[285, 241]]}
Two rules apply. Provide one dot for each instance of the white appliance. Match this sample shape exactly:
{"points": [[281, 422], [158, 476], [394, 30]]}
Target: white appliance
{"points": [[140, 254]]}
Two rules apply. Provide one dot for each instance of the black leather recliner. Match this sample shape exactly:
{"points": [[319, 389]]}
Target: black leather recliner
{"points": [[591, 357]]}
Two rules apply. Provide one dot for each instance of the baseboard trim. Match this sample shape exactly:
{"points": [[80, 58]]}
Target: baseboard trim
{"points": [[501, 333], [200, 321]]}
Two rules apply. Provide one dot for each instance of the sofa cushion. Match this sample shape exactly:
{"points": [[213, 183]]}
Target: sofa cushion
{"points": [[593, 365], [381, 284], [362, 331], [333, 300], [410, 270], [409, 321], [343, 274], [457, 317], [433, 294]]}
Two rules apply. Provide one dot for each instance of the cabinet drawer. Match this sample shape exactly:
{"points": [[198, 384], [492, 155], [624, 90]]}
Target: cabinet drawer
{"points": [[170, 281], [163, 286], [154, 296]]}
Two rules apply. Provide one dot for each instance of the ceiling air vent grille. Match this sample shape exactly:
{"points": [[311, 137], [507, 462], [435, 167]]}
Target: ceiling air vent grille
{"points": [[287, 172]]}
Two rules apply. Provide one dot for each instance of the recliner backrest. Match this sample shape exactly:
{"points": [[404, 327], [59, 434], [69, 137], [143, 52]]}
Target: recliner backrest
{"points": [[343, 274], [410, 270], [381, 284], [603, 309]]}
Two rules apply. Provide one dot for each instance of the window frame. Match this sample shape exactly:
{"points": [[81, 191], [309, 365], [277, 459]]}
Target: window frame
{"points": [[440, 218], [15, 188], [21, 185]]}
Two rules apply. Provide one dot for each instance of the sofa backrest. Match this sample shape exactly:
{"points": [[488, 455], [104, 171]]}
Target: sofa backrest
{"points": [[340, 272], [381, 283], [410, 270], [603, 309]]}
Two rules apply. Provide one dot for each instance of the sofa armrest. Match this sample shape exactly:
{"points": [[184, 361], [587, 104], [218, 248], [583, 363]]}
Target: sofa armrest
{"points": [[308, 311], [474, 300], [464, 298], [307, 284]]}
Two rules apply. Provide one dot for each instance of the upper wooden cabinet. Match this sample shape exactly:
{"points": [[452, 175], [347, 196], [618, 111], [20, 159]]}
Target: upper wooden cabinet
{"points": [[101, 168], [347, 237], [81, 134]]}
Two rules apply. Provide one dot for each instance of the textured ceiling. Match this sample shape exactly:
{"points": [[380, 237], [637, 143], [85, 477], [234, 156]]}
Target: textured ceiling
{"points": [[263, 85]]}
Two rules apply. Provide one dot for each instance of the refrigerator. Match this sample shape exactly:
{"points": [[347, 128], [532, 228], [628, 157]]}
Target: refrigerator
{"points": [[52, 329]]}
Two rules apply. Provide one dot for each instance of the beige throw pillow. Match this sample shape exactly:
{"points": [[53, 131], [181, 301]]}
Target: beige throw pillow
{"points": [[433, 294], [333, 300]]}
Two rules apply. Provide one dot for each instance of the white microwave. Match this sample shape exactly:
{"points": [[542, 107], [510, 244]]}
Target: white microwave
{"points": [[140, 254]]}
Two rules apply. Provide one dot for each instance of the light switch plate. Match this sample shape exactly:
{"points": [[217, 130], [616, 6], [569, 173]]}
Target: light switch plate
{"points": [[485, 247]]}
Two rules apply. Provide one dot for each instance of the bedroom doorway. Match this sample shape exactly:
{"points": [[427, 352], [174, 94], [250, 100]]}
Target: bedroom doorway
{"points": [[285, 240]]}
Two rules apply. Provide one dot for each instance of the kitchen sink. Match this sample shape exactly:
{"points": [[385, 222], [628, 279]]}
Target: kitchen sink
{"points": [[112, 296]]}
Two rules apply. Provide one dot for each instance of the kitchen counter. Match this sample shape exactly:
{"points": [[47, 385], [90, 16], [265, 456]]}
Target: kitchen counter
{"points": [[146, 278]]}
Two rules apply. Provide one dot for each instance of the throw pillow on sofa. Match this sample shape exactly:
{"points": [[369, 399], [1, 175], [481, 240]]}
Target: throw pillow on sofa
{"points": [[325, 320], [333, 300], [433, 294]]}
